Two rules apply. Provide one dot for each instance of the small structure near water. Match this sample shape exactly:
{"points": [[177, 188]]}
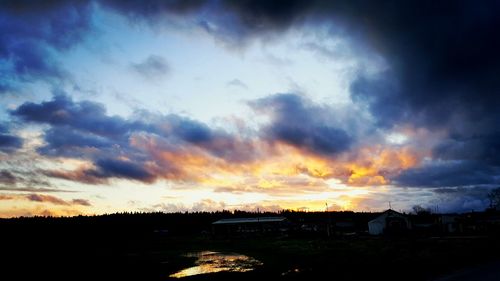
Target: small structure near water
{"points": [[389, 222], [249, 226]]}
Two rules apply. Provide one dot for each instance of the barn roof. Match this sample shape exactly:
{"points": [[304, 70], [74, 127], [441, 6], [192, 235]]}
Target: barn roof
{"points": [[388, 213], [250, 220]]}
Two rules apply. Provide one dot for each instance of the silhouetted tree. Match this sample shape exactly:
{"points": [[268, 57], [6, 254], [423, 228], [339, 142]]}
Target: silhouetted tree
{"points": [[419, 210], [494, 197]]}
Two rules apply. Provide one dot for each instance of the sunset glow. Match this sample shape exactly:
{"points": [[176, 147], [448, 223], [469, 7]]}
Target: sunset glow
{"points": [[203, 107]]}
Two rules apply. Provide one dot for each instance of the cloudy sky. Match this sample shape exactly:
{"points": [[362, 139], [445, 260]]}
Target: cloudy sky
{"points": [[110, 106]]}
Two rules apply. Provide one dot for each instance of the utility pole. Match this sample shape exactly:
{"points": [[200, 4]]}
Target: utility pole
{"points": [[328, 220]]}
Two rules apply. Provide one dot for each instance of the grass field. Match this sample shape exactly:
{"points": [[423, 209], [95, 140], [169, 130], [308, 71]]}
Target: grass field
{"points": [[342, 259], [59, 250]]}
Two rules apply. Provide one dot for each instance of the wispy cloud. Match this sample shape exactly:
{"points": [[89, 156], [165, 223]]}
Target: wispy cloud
{"points": [[237, 83], [43, 198], [33, 189], [152, 67]]}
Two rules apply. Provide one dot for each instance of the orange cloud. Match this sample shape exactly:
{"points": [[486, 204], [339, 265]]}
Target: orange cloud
{"points": [[42, 198], [276, 168], [40, 211], [277, 165], [84, 172]]}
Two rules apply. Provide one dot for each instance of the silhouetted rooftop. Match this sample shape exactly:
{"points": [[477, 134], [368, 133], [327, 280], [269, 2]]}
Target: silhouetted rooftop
{"points": [[250, 220]]}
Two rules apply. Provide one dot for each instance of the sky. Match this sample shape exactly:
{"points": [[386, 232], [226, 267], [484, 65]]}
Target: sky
{"points": [[125, 106]]}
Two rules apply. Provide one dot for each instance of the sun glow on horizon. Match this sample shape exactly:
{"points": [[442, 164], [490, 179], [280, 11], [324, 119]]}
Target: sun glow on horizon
{"points": [[211, 105]]}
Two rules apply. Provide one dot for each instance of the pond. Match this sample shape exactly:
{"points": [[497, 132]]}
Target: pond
{"points": [[212, 262]]}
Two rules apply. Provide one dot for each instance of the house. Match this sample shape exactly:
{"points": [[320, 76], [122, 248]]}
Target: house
{"points": [[426, 224], [449, 223], [250, 226], [389, 222]]}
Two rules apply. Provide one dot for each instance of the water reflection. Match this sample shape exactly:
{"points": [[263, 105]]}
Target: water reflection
{"points": [[212, 262]]}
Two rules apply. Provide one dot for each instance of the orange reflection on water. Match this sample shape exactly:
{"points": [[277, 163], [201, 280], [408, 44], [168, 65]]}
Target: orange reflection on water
{"points": [[212, 262]]}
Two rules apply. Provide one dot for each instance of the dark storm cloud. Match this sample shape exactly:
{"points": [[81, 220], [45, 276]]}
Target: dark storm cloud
{"points": [[449, 174], [83, 130], [484, 148], [123, 169], [234, 22], [58, 22], [190, 130], [152, 67], [442, 57], [30, 34], [105, 169], [8, 141], [33, 61], [72, 143], [256, 15], [153, 11], [78, 126], [461, 199], [439, 54], [443, 63], [85, 116], [269, 14], [296, 121], [7, 177]]}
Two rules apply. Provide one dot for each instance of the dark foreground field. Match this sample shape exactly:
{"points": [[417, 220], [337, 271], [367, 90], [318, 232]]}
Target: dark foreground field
{"points": [[51, 251]]}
